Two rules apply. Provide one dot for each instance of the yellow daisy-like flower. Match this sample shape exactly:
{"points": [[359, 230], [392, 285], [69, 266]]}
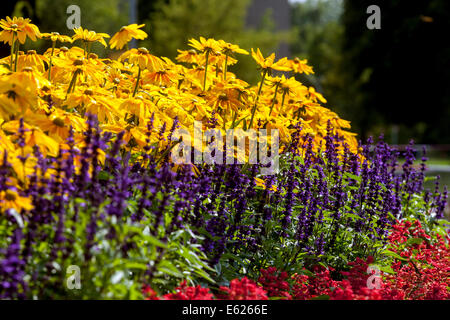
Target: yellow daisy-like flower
{"points": [[55, 36], [300, 66], [89, 36], [18, 28], [32, 60], [10, 199], [269, 62], [205, 45], [143, 59], [189, 56], [121, 38]]}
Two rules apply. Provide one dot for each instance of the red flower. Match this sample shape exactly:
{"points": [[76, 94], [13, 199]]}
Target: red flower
{"points": [[244, 289], [273, 282], [149, 293], [189, 293]]}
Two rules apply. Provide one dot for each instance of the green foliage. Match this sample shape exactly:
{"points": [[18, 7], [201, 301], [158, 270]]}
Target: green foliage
{"points": [[172, 23], [102, 16], [117, 263]]}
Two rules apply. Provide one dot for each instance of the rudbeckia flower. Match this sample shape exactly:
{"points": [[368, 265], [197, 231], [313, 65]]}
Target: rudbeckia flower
{"points": [[300, 66], [142, 58], [188, 56], [55, 36], [121, 38], [10, 199], [268, 64], [32, 60], [314, 95], [89, 36], [18, 28]]}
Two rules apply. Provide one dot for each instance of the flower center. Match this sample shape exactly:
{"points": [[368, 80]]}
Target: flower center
{"points": [[143, 50], [58, 122], [78, 62], [10, 195]]}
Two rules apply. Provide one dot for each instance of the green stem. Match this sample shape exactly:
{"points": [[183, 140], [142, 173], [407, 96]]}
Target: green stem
{"points": [[17, 55], [282, 100], [51, 59], [12, 50], [274, 99], [225, 68], [72, 83], [206, 70], [137, 82], [257, 97]]}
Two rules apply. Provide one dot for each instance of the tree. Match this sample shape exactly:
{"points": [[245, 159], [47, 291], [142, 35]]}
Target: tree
{"points": [[173, 22], [399, 74]]}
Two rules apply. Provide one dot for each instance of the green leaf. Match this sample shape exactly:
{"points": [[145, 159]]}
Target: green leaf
{"points": [[414, 241], [394, 255], [321, 297], [167, 267]]}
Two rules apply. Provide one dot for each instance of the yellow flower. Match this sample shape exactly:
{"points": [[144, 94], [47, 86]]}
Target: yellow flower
{"points": [[33, 60], [189, 56], [121, 38], [229, 49], [55, 36], [18, 28], [162, 77], [269, 62], [314, 95], [300, 66], [205, 45], [142, 58], [10, 199], [89, 36]]}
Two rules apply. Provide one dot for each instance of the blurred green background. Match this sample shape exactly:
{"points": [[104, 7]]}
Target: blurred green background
{"points": [[395, 80]]}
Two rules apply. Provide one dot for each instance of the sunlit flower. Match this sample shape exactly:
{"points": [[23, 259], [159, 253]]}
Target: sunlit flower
{"points": [[18, 28], [268, 64], [300, 66], [55, 36], [10, 199], [126, 33], [89, 36]]}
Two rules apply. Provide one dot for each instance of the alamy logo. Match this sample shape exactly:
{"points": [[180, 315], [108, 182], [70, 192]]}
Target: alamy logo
{"points": [[74, 279], [237, 146], [74, 20], [374, 20], [374, 281]]}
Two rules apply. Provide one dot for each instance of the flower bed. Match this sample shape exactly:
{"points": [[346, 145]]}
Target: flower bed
{"points": [[92, 206]]}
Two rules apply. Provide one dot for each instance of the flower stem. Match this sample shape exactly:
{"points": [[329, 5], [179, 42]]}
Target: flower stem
{"points": [[137, 82], [72, 83], [17, 55], [257, 98], [51, 59], [206, 70], [274, 99], [12, 50], [282, 100], [225, 68]]}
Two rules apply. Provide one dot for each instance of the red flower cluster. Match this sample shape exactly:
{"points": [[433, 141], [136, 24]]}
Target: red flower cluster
{"points": [[426, 274], [275, 283], [308, 287], [183, 292], [421, 272], [244, 289]]}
